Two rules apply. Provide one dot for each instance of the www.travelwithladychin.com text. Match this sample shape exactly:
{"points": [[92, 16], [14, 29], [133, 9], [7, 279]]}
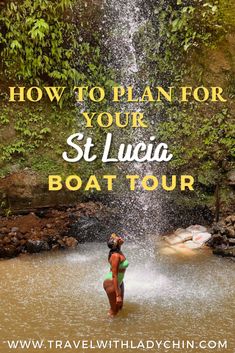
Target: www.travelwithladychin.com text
{"points": [[82, 345]]}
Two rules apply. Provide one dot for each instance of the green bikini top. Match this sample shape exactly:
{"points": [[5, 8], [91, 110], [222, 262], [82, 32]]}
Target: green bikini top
{"points": [[123, 265]]}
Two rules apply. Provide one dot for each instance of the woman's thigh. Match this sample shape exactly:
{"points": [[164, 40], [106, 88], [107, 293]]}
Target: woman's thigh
{"points": [[108, 286], [110, 291]]}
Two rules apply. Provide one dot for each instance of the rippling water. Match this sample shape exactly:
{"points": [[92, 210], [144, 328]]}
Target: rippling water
{"points": [[60, 296]]}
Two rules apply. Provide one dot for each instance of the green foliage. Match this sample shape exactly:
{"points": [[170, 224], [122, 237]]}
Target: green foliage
{"points": [[201, 138], [36, 138], [29, 132], [204, 145], [4, 116], [193, 25], [39, 42], [227, 10], [5, 208], [13, 149], [175, 30]]}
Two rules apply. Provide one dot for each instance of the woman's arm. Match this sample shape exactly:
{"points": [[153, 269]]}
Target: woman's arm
{"points": [[115, 260]]}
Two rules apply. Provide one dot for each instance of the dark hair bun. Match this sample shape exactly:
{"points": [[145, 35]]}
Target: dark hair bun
{"points": [[112, 243]]}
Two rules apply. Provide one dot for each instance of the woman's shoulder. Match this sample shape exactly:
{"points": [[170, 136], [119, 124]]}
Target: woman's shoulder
{"points": [[115, 256]]}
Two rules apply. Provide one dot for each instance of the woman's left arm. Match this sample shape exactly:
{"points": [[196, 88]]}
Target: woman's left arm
{"points": [[115, 260]]}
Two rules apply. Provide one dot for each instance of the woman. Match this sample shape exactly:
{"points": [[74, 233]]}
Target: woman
{"points": [[113, 283]]}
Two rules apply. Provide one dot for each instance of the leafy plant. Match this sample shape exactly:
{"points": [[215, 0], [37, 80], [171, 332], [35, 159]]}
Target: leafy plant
{"points": [[201, 145], [37, 42], [192, 24], [40, 43], [174, 31]]}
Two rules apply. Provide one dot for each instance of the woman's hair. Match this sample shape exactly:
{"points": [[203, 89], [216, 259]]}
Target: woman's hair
{"points": [[113, 245]]}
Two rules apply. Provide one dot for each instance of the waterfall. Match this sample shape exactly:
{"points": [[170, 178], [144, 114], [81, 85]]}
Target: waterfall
{"points": [[140, 210], [126, 20]]}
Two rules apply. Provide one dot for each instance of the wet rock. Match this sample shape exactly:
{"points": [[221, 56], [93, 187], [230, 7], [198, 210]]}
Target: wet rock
{"points": [[178, 231], [52, 239], [11, 234], [192, 245], [230, 219], [22, 236], [6, 240], [179, 249], [55, 247], [23, 242], [61, 243], [89, 229], [73, 216], [196, 228], [41, 213], [218, 239], [201, 237], [231, 177], [224, 251], [218, 228], [9, 251], [193, 237], [223, 236], [178, 237], [230, 232], [34, 246], [15, 241], [70, 242]]}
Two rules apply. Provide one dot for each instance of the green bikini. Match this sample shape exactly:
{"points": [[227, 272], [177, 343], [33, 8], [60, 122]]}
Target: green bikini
{"points": [[122, 266]]}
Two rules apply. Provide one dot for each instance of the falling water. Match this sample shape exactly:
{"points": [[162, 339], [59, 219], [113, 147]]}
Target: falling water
{"points": [[140, 210], [126, 21]]}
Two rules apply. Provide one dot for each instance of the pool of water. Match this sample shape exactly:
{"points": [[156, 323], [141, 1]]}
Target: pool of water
{"points": [[58, 296]]}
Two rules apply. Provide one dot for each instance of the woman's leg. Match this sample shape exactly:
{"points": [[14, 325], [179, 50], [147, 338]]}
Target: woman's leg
{"points": [[110, 290], [122, 294]]}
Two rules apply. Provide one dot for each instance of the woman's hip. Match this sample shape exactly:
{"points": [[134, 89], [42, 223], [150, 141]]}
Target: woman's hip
{"points": [[108, 284]]}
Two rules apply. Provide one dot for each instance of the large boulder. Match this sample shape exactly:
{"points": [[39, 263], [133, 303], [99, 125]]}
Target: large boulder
{"points": [[34, 246], [225, 252], [223, 237], [184, 241], [9, 251]]}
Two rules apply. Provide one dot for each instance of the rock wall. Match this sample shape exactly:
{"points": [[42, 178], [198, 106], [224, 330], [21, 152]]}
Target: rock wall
{"points": [[223, 237], [27, 190]]}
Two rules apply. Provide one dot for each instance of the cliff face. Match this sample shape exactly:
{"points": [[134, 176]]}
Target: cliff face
{"points": [[26, 190]]}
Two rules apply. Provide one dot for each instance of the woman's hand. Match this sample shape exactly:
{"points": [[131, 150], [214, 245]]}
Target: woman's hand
{"points": [[119, 300]]}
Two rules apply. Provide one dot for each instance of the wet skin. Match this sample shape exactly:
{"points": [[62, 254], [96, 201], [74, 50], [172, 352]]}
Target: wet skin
{"points": [[115, 292]]}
